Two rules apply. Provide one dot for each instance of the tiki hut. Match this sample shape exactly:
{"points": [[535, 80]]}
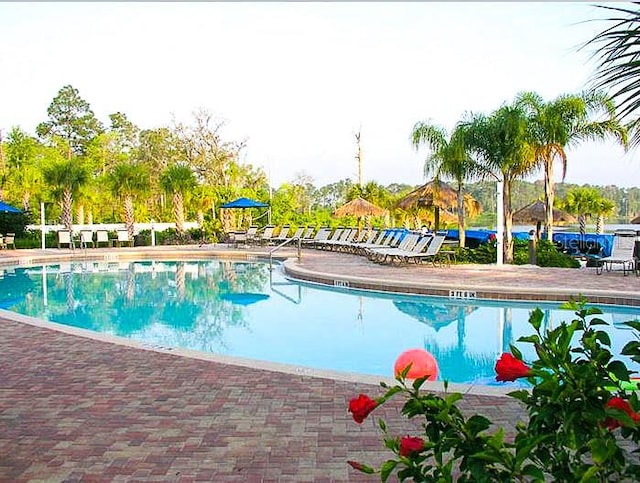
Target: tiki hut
{"points": [[534, 213], [439, 196], [636, 220], [359, 207]]}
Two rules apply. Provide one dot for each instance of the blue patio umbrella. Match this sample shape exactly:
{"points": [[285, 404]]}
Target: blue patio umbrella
{"points": [[244, 203], [6, 208]]}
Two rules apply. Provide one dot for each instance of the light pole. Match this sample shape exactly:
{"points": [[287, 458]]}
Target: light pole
{"points": [[500, 223]]}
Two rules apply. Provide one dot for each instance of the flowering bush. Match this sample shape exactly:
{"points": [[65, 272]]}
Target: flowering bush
{"points": [[575, 407]]}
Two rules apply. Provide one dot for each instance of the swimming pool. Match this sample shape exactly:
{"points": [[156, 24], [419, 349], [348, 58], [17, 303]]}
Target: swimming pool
{"points": [[245, 310]]}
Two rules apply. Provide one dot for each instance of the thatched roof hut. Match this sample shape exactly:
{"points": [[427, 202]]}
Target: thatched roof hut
{"points": [[359, 207], [534, 213], [439, 196]]}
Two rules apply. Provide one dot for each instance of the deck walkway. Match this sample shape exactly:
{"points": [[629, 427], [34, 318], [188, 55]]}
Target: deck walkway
{"points": [[78, 409]]}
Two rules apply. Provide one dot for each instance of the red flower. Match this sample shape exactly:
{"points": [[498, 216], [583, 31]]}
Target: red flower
{"points": [[508, 368], [361, 407], [622, 405], [410, 445]]}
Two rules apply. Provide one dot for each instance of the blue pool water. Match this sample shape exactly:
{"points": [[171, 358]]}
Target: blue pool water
{"points": [[244, 309]]}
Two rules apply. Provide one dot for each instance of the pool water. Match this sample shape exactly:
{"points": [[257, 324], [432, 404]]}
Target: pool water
{"points": [[247, 310]]}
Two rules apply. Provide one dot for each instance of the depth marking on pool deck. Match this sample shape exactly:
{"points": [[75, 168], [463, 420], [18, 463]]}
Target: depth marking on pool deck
{"points": [[340, 283], [462, 294]]}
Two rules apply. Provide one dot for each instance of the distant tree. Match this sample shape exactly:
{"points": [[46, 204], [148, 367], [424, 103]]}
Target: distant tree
{"points": [[72, 120], [178, 180], [66, 177], [582, 202], [128, 181]]}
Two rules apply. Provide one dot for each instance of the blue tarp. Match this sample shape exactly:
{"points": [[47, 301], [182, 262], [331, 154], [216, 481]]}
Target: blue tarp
{"points": [[244, 203], [576, 243], [482, 236]]}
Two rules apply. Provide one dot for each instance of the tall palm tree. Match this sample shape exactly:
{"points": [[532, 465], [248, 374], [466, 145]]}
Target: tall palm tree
{"points": [[128, 181], [178, 179], [448, 158], [66, 177], [618, 71], [564, 122], [501, 142]]}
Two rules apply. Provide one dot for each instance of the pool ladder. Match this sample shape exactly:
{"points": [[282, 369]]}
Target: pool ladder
{"points": [[298, 241]]}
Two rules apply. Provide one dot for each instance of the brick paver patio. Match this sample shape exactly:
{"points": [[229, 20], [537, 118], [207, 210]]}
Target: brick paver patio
{"points": [[78, 409]]}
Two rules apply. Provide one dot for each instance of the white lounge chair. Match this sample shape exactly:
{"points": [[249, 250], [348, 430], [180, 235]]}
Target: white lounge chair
{"points": [[64, 238], [430, 254], [622, 253], [102, 236], [86, 238], [123, 237]]}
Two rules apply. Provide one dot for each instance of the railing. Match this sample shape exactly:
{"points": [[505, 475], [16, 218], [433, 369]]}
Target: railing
{"points": [[286, 242]]}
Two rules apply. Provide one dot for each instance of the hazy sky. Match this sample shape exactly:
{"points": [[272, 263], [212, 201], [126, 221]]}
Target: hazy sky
{"points": [[297, 80]]}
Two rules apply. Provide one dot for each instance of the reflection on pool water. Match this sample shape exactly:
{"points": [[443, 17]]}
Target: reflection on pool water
{"points": [[243, 309]]}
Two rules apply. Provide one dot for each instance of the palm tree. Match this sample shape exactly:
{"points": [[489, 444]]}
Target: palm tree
{"points": [[128, 181], [66, 177], [564, 122], [177, 180], [448, 159], [616, 52], [501, 142], [603, 208], [582, 202]]}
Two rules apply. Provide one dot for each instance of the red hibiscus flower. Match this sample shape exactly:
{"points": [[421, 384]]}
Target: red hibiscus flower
{"points": [[361, 407], [622, 405], [410, 445], [508, 368]]}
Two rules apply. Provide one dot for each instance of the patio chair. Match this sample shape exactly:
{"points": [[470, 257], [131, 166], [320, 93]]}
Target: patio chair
{"points": [[321, 235], [10, 241], [86, 238], [308, 233], [380, 255], [432, 252], [123, 237], [266, 236], [102, 236], [622, 252], [282, 234], [344, 239], [64, 238], [335, 236]]}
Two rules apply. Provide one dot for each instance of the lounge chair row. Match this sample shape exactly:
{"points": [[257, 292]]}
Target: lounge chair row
{"points": [[85, 239], [383, 246]]}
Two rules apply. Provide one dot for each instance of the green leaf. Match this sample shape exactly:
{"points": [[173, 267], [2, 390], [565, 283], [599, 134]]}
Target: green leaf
{"points": [[534, 472], [515, 351], [477, 423], [386, 469], [535, 318], [619, 370], [604, 338]]}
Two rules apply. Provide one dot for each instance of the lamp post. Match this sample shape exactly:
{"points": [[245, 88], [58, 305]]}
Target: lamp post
{"points": [[42, 235], [500, 223]]}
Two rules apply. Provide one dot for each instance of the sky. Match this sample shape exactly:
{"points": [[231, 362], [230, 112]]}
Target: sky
{"points": [[296, 81]]}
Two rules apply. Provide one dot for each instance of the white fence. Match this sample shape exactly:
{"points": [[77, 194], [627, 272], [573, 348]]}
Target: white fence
{"points": [[137, 227]]}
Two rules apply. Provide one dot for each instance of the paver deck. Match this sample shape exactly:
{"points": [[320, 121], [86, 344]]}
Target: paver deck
{"points": [[77, 409]]}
